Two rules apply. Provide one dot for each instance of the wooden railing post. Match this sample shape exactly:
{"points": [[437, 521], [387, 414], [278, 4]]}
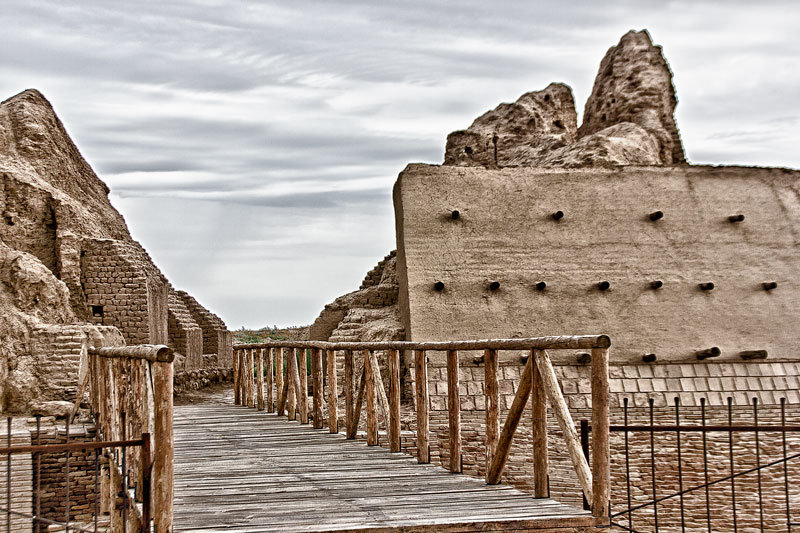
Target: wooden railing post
{"points": [[251, 386], [333, 398], [260, 380], [293, 384], [539, 434], [510, 427], [394, 400], [270, 384], [242, 378], [454, 411], [601, 470], [163, 447], [492, 405], [280, 384], [237, 397], [421, 379], [348, 391], [372, 420], [316, 378], [302, 398], [561, 412]]}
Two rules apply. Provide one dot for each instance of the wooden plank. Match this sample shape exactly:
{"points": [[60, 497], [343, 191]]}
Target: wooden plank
{"points": [[260, 380], [498, 463], [372, 420], [423, 417], [454, 411], [539, 434], [333, 397], [561, 412], [491, 367], [601, 462], [270, 380], [302, 397], [287, 477], [394, 400], [317, 383]]}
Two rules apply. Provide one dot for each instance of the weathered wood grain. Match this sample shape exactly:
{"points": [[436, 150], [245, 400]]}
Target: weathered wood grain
{"points": [[278, 475]]}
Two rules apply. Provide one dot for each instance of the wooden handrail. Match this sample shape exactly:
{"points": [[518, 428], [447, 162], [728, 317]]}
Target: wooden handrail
{"points": [[538, 381], [130, 390]]}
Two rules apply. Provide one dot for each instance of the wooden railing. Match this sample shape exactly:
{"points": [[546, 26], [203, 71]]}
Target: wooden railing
{"points": [[254, 362], [131, 397]]}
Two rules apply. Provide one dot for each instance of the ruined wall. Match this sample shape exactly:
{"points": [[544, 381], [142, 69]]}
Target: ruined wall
{"points": [[185, 336], [116, 288], [506, 233], [210, 323]]}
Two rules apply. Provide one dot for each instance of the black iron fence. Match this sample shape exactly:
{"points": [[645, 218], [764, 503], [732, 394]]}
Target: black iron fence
{"points": [[99, 459], [704, 474]]}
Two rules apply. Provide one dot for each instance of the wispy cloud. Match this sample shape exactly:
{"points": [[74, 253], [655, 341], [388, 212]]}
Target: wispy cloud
{"points": [[252, 146]]}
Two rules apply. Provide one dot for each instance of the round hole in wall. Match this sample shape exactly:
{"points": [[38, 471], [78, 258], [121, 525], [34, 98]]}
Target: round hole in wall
{"points": [[770, 285], [558, 124], [656, 284], [584, 358], [468, 150], [438, 286], [547, 98], [493, 286], [604, 285], [708, 286], [558, 215], [649, 358], [736, 218], [656, 215], [541, 286], [455, 215]]}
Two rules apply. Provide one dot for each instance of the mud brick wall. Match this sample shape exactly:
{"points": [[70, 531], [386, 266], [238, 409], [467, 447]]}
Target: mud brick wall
{"points": [[52, 475], [112, 279], [21, 479], [59, 349], [185, 336], [210, 323], [742, 381]]}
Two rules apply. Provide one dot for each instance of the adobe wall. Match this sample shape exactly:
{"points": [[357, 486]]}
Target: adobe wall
{"points": [[121, 293], [185, 336], [215, 340], [506, 233]]}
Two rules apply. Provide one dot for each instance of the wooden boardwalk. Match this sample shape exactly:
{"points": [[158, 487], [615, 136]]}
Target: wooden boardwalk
{"points": [[241, 470]]}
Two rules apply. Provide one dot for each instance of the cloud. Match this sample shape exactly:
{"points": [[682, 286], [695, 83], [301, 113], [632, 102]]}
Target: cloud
{"points": [[252, 146]]}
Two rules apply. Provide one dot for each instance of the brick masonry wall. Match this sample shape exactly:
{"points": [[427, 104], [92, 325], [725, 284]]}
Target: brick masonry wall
{"points": [[113, 280], [52, 475], [185, 336], [59, 350], [210, 323], [766, 381], [21, 487]]}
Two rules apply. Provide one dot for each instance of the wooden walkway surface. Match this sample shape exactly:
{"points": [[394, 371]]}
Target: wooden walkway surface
{"points": [[241, 470]]}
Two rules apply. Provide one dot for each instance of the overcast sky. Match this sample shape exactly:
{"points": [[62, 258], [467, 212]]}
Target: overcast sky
{"points": [[252, 146]]}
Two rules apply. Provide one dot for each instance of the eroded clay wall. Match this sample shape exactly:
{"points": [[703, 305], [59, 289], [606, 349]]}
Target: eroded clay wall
{"points": [[505, 232], [121, 292]]}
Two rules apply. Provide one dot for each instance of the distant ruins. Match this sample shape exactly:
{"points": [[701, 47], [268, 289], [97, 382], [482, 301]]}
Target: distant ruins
{"points": [[535, 226], [72, 276]]}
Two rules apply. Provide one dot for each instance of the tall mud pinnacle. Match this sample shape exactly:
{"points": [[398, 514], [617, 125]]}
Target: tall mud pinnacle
{"points": [[628, 119], [634, 84]]}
